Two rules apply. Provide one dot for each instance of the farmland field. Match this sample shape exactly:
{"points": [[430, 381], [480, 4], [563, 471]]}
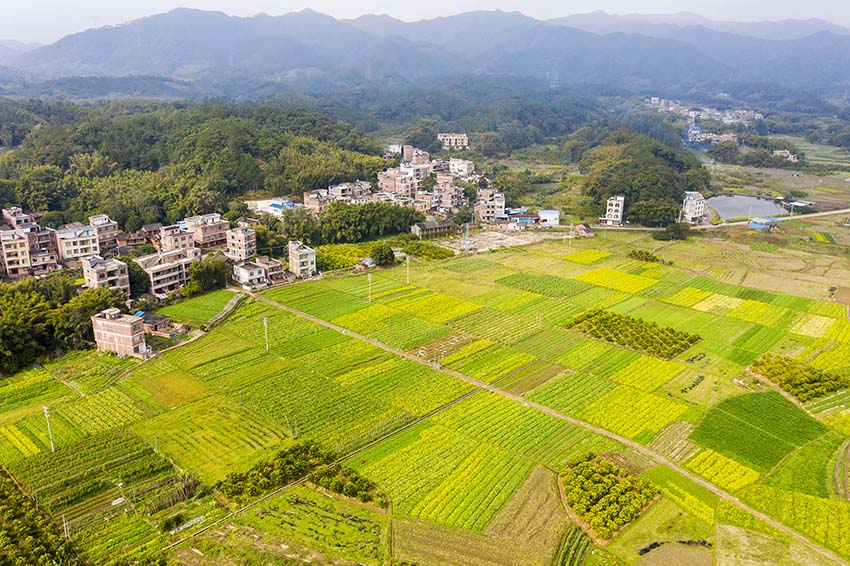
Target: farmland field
{"points": [[467, 464]]}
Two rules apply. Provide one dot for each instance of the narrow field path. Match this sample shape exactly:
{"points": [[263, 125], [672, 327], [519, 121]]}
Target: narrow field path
{"points": [[654, 456]]}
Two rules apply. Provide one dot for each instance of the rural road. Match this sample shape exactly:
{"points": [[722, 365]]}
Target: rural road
{"points": [[725, 225], [656, 457]]}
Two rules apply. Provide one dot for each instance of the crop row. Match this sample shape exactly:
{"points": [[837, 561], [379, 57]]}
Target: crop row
{"points": [[571, 394], [500, 422], [546, 285], [647, 374], [436, 307], [411, 471], [756, 429], [825, 521], [103, 411], [491, 364], [687, 297], [812, 325], [587, 256], [762, 313], [630, 412], [495, 325], [722, 471], [473, 493], [616, 280], [315, 299]]}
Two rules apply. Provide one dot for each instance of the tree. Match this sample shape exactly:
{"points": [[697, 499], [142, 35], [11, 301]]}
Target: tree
{"points": [[678, 231], [140, 283], [300, 224], [210, 273], [25, 332], [383, 255], [653, 212], [72, 321]]}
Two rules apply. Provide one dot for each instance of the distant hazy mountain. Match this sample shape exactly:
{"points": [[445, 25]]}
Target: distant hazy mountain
{"points": [[668, 25], [311, 51], [9, 49], [196, 44]]}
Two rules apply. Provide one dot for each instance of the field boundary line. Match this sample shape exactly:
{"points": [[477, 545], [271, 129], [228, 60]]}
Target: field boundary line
{"points": [[658, 458]]}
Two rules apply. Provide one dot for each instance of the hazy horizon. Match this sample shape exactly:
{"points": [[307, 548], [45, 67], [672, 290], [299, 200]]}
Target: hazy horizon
{"points": [[26, 21]]}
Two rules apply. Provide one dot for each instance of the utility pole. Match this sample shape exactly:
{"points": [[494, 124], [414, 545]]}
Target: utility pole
{"points": [[369, 278], [266, 329], [572, 234], [49, 432], [466, 241], [408, 269], [65, 528]]}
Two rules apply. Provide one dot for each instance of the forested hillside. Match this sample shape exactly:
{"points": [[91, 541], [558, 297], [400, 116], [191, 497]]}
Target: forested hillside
{"points": [[143, 163]]}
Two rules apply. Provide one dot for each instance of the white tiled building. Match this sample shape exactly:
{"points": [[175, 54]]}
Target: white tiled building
{"points": [[613, 212], [694, 208], [302, 259], [168, 271], [77, 241], [249, 275]]}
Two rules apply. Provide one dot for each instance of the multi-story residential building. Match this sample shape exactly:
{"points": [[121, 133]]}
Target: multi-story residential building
{"points": [[43, 249], [109, 273], [15, 253], [461, 168], [407, 153], [25, 247], [241, 244], [453, 142], [421, 157], [302, 259], [119, 333], [489, 205], [77, 241], [394, 181], [106, 231], [249, 275], [174, 237], [694, 208], [272, 268], [349, 191], [168, 271], [448, 197], [16, 219], [613, 212], [208, 230]]}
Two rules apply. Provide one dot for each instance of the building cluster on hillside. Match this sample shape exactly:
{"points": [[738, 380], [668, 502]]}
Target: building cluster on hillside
{"points": [[786, 155], [27, 249], [453, 142], [404, 185], [696, 135], [728, 117]]}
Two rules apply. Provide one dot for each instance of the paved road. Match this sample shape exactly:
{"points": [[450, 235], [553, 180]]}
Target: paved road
{"points": [[655, 456]]}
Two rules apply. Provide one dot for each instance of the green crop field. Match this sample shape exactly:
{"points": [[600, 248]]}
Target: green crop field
{"points": [[461, 395], [198, 310]]}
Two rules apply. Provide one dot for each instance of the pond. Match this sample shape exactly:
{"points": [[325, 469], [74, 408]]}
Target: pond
{"points": [[740, 206]]}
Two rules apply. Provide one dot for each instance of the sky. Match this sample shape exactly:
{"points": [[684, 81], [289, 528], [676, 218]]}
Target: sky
{"points": [[45, 21]]}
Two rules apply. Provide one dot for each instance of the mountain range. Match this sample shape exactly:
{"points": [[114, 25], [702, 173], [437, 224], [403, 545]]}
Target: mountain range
{"points": [[311, 51]]}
